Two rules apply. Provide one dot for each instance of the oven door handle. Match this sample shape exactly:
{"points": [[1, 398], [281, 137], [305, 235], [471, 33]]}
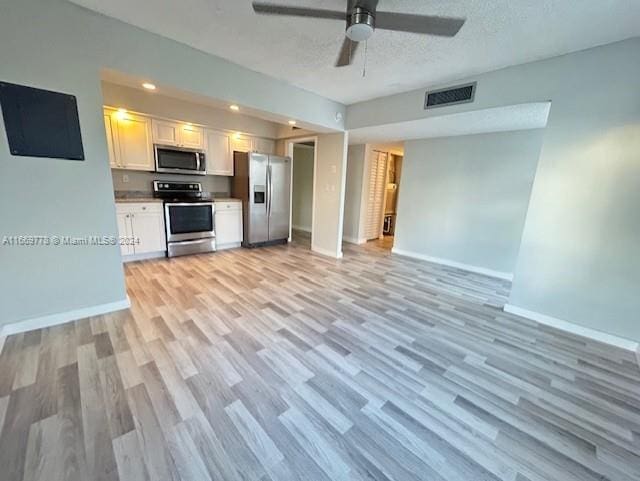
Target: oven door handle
{"points": [[187, 204], [196, 241]]}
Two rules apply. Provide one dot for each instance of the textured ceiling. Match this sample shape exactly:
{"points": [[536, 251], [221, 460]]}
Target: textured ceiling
{"points": [[500, 119], [498, 33]]}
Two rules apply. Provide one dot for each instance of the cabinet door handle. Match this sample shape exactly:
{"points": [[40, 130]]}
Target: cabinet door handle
{"points": [[127, 216]]}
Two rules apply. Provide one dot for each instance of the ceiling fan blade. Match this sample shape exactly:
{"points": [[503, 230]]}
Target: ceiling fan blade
{"points": [[347, 51], [272, 9], [426, 24]]}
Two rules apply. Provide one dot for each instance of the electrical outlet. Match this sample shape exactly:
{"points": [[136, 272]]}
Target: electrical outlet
{"points": [[125, 178]]}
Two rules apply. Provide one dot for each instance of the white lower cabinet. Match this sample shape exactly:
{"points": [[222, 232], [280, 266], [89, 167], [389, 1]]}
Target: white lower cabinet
{"points": [[228, 218], [142, 223], [124, 230]]}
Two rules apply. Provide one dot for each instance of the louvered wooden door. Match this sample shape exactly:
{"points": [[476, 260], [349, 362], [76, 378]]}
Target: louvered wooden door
{"points": [[375, 199]]}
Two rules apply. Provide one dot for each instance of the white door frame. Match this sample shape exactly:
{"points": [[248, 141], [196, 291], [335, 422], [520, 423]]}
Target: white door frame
{"points": [[289, 152]]}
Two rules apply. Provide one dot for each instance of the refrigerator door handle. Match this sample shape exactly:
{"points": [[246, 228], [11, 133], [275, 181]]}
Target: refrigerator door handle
{"points": [[269, 189]]}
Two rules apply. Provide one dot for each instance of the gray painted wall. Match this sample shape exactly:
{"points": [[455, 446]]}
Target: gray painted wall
{"points": [[353, 192], [578, 258], [331, 168], [464, 199], [55, 45], [302, 205]]}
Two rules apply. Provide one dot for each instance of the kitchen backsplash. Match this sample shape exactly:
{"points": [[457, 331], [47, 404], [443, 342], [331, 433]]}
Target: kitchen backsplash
{"points": [[141, 181]]}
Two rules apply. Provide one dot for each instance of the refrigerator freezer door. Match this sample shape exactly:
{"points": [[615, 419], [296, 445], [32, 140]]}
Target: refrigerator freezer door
{"points": [[279, 201], [258, 225]]}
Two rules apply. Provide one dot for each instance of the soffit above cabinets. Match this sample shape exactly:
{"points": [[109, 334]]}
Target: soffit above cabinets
{"points": [[500, 119]]}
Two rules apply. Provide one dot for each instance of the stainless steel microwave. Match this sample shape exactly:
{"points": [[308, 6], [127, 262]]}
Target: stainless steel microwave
{"points": [[179, 160]]}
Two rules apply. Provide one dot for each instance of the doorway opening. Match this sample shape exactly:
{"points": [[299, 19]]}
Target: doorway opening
{"points": [[303, 163], [390, 202], [372, 190]]}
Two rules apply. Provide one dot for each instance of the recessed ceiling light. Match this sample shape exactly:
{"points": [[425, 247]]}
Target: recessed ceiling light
{"points": [[292, 122], [234, 107], [149, 86]]}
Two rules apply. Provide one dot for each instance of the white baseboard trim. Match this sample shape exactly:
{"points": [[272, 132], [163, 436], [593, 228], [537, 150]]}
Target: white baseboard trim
{"points": [[301, 228], [353, 240], [142, 257], [567, 326], [63, 317], [232, 245], [508, 276], [326, 252]]}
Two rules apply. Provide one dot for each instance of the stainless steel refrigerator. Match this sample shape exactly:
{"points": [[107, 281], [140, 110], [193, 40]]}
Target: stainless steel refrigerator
{"points": [[263, 182]]}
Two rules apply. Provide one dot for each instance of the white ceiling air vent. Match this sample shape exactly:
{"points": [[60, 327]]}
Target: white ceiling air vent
{"points": [[460, 94]]}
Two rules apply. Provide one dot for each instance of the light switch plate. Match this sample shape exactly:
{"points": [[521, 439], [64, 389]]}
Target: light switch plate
{"points": [[125, 178]]}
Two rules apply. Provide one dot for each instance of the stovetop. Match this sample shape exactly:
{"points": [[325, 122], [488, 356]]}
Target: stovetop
{"points": [[178, 191], [178, 198]]}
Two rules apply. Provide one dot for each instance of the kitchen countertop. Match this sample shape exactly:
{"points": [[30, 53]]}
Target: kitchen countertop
{"points": [[124, 196], [126, 200]]}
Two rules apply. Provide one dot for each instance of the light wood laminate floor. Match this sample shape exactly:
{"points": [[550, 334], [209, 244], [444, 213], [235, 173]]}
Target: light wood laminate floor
{"points": [[278, 364]]}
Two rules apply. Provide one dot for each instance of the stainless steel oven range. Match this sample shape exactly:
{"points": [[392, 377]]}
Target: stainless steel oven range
{"points": [[189, 217]]}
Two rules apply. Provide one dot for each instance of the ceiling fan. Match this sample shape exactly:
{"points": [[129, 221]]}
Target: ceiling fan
{"points": [[362, 18]]}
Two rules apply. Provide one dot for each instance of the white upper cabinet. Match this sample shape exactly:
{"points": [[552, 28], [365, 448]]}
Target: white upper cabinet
{"points": [[177, 134], [131, 138], [166, 133], [110, 144], [131, 141], [219, 157], [192, 137], [241, 143], [264, 146], [246, 143]]}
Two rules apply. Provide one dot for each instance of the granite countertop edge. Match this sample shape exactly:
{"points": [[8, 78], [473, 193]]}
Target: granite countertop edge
{"points": [[140, 196]]}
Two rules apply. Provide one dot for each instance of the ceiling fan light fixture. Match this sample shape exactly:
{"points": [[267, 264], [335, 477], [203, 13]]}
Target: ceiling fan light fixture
{"points": [[361, 25], [362, 18]]}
